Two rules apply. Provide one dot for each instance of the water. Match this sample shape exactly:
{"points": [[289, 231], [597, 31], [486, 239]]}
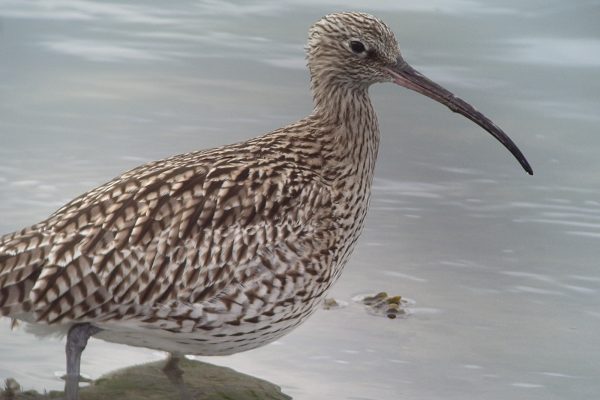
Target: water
{"points": [[502, 266]]}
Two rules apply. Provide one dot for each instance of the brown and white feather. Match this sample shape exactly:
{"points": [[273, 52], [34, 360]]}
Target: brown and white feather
{"points": [[214, 251]]}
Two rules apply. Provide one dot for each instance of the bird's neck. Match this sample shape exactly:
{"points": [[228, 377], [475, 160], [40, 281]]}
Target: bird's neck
{"points": [[351, 139], [340, 102], [348, 114]]}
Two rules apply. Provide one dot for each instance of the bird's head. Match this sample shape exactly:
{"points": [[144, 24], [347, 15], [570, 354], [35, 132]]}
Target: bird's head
{"points": [[351, 48], [355, 50]]}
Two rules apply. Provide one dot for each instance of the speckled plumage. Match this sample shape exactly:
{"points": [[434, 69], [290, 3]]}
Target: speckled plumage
{"points": [[224, 250], [214, 251]]}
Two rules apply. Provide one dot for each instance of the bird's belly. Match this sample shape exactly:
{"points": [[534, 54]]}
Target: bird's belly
{"points": [[220, 339], [249, 314]]}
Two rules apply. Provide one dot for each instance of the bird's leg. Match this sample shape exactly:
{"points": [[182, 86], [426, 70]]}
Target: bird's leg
{"points": [[77, 339], [171, 369], [175, 374]]}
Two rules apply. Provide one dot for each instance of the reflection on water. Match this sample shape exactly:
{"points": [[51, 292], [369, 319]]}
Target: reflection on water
{"points": [[502, 266]]}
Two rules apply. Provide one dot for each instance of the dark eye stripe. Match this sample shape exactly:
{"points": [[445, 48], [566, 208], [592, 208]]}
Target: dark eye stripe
{"points": [[357, 47]]}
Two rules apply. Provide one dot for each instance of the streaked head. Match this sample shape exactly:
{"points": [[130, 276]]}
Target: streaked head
{"points": [[355, 50], [352, 48]]}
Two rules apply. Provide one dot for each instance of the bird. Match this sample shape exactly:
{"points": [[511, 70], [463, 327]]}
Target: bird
{"points": [[223, 250]]}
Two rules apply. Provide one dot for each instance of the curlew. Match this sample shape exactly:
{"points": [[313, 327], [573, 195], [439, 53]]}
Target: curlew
{"points": [[218, 251]]}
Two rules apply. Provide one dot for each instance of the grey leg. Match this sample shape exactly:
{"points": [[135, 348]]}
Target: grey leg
{"points": [[172, 370], [175, 374], [77, 339]]}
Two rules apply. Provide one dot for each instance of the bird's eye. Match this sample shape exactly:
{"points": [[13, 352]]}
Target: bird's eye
{"points": [[357, 47]]}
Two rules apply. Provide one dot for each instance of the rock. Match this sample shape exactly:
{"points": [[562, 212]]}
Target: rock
{"points": [[202, 381]]}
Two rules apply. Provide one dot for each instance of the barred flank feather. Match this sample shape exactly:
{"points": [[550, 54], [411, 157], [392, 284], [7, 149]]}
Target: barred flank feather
{"points": [[220, 250]]}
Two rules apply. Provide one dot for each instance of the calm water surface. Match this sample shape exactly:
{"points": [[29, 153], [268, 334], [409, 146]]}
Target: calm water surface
{"points": [[503, 267]]}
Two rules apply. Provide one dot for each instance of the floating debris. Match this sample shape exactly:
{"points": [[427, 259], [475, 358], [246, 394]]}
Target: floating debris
{"points": [[380, 304], [384, 305], [333, 304]]}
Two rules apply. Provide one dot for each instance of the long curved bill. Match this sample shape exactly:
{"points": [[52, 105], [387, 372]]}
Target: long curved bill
{"points": [[405, 75]]}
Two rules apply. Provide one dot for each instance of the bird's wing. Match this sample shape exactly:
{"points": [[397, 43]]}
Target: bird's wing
{"points": [[176, 229]]}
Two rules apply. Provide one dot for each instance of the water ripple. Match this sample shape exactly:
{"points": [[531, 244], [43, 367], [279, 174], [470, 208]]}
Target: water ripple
{"points": [[86, 10]]}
